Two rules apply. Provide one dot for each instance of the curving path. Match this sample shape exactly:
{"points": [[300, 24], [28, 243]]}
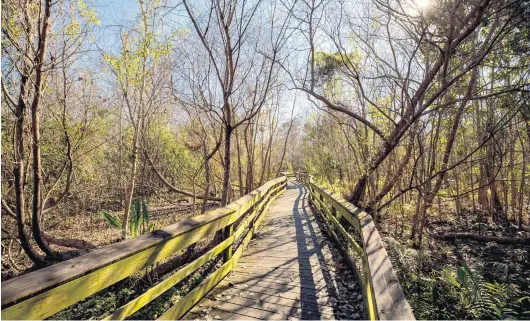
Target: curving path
{"points": [[289, 271]]}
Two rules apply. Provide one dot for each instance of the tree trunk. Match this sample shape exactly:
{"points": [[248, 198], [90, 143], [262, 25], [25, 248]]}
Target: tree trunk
{"points": [[249, 139], [35, 133], [226, 172], [483, 238], [18, 172], [121, 187], [132, 181], [522, 186], [430, 195], [391, 181], [206, 178], [239, 166], [174, 188], [68, 242]]}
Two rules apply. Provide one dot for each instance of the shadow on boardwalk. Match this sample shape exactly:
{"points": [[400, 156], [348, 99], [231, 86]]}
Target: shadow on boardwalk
{"points": [[290, 271]]}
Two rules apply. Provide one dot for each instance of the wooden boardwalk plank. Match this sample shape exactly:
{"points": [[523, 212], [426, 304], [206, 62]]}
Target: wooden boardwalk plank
{"points": [[289, 271]]}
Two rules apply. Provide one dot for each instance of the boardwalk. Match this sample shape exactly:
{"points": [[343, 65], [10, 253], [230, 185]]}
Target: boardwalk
{"points": [[289, 271]]}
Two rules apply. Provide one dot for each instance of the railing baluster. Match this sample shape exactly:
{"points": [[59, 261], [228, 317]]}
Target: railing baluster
{"points": [[42, 293], [382, 293], [227, 233]]}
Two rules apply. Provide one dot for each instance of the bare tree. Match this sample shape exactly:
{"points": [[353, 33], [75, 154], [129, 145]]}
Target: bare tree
{"points": [[244, 66]]}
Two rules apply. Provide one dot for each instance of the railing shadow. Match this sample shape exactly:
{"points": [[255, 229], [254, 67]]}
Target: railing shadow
{"points": [[312, 269], [302, 218]]}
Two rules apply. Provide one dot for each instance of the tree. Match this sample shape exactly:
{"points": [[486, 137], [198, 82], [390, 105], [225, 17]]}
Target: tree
{"points": [[140, 71], [360, 69], [27, 38], [243, 64]]}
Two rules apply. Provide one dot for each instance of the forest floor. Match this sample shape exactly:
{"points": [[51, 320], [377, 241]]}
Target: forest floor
{"points": [[87, 226], [464, 279], [461, 279], [93, 228]]}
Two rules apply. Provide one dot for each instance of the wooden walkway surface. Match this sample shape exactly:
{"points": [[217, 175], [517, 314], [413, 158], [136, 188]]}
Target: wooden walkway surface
{"points": [[289, 271]]}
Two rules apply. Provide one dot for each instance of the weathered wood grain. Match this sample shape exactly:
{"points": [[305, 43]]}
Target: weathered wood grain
{"points": [[282, 275], [42, 293], [384, 297], [185, 304], [284, 267]]}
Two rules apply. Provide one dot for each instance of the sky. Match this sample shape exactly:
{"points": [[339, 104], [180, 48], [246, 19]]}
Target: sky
{"points": [[115, 13], [112, 11]]}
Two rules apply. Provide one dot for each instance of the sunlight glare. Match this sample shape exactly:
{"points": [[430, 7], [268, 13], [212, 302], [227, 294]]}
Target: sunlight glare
{"points": [[422, 3]]}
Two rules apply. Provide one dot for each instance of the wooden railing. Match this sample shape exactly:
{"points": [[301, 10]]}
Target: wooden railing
{"points": [[288, 174], [302, 177], [40, 294], [382, 294]]}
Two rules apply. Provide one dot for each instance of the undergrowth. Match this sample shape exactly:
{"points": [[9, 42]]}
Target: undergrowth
{"points": [[439, 291]]}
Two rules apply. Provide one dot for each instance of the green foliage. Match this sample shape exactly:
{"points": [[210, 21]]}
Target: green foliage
{"points": [[88, 14], [113, 221], [139, 219], [453, 292], [142, 48], [329, 63]]}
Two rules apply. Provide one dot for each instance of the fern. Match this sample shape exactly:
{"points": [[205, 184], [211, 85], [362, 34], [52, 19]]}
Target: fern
{"points": [[483, 300], [499, 270], [454, 293]]}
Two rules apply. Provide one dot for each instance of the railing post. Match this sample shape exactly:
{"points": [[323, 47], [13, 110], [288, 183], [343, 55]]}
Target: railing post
{"points": [[336, 215], [227, 232]]}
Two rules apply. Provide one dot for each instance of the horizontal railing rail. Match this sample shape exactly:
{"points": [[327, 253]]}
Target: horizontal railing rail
{"points": [[42, 293], [383, 296], [288, 174]]}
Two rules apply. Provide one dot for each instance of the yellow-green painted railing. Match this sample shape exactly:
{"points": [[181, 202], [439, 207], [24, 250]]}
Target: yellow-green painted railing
{"points": [[40, 294], [382, 294]]}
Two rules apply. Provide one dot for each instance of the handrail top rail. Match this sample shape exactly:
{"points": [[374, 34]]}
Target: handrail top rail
{"points": [[13, 290]]}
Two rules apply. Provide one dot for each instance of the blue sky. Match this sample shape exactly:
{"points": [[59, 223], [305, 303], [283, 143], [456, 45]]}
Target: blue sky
{"points": [[115, 11]]}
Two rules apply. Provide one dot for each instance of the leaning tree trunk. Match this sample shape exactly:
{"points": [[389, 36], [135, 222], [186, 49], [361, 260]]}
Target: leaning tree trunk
{"points": [[391, 181], [428, 200], [18, 172], [35, 133]]}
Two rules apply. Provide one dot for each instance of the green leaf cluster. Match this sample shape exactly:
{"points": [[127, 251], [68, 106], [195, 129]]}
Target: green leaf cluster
{"points": [[139, 219]]}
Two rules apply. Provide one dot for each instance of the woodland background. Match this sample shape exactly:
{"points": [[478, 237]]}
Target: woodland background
{"points": [[416, 111]]}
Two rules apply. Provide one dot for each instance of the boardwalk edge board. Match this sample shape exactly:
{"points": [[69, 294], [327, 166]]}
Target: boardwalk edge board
{"points": [[42, 293], [382, 293]]}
